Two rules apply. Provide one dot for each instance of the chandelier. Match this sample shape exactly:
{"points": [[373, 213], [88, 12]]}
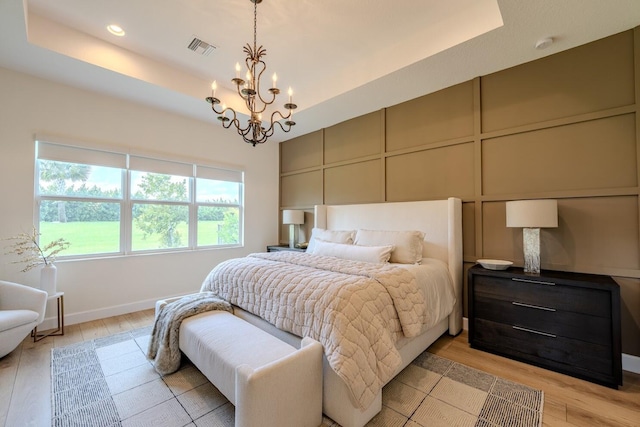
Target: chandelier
{"points": [[256, 130]]}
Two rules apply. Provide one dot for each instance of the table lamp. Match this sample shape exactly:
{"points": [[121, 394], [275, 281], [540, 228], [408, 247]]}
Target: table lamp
{"points": [[294, 218], [532, 215]]}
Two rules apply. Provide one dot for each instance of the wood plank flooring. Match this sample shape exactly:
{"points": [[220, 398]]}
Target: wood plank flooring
{"points": [[25, 379]]}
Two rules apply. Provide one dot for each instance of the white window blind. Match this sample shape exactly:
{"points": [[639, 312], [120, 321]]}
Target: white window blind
{"points": [[146, 164], [219, 174], [70, 154]]}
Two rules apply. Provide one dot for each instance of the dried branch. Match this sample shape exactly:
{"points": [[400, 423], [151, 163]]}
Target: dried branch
{"points": [[32, 254]]}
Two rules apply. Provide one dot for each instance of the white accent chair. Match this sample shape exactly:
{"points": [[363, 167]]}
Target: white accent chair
{"points": [[22, 308]]}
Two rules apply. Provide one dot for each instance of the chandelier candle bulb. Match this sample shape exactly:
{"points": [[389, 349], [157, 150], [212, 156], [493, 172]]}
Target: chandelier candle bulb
{"points": [[214, 86], [275, 80], [237, 70]]}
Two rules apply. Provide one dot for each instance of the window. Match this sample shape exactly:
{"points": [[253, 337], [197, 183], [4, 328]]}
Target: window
{"points": [[218, 194], [114, 203]]}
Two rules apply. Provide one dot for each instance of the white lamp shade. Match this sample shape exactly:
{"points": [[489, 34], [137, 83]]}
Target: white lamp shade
{"points": [[292, 217], [532, 213]]}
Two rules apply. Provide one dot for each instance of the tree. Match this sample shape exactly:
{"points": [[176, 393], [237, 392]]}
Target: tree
{"points": [[229, 230], [162, 218], [58, 173]]}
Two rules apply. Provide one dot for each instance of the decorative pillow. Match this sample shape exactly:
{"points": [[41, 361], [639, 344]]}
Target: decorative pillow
{"points": [[334, 236], [408, 244], [375, 254]]}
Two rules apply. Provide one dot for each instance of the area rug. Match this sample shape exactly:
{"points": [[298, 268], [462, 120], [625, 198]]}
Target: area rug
{"points": [[109, 382]]}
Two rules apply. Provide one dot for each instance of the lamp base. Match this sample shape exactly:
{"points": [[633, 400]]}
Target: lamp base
{"points": [[531, 245], [293, 235]]}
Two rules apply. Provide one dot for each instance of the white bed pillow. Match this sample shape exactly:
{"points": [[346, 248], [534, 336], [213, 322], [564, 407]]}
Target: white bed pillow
{"points": [[334, 236], [407, 244], [374, 254]]}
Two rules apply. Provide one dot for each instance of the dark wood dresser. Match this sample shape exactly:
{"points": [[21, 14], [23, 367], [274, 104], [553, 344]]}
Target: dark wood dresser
{"points": [[566, 322]]}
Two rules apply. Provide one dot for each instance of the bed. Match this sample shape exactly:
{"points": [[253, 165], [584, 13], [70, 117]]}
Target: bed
{"points": [[402, 326]]}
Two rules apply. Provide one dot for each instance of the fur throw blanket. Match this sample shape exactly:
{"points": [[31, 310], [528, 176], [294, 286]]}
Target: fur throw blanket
{"points": [[164, 347]]}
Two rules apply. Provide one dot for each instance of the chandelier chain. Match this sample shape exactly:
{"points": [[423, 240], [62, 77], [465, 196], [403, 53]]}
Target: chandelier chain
{"points": [[255, 25]]}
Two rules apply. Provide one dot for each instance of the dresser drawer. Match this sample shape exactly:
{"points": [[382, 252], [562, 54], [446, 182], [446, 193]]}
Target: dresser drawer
{"points": [[565, 354], [593, 302], [553, 321]]}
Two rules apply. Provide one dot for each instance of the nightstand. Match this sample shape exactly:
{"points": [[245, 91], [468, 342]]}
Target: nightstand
{"points": [[565, 322], [277, 248], [59, 297]]}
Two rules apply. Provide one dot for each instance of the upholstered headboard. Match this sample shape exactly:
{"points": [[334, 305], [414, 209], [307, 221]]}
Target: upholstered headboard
{"points": [[440, 220]]}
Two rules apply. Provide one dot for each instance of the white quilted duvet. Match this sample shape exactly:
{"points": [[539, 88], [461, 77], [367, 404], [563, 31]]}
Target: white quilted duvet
{"points": [[357, 310]]}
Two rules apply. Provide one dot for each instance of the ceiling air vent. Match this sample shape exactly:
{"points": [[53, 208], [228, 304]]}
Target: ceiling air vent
{"points": [[201, 47]]}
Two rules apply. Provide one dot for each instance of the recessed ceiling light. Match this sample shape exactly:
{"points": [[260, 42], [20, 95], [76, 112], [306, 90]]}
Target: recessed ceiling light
{"points": [[116, 30]]}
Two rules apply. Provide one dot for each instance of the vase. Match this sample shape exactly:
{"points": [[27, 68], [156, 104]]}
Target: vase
{"points": [[48, 277]]}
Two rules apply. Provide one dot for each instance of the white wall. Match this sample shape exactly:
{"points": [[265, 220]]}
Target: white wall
{"points": [[108, 286]]}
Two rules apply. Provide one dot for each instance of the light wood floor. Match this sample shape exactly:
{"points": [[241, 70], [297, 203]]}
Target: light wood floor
{"points": [[25, 379]]}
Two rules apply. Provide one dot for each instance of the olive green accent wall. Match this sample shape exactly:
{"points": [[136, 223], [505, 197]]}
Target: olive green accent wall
{"points": [[566, 127]]}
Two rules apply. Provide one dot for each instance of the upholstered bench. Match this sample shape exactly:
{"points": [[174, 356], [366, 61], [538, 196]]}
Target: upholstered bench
{"points": [[270, 382]]}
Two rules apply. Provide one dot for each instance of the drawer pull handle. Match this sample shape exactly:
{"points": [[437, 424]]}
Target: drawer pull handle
{"points": [[537, 307], [533, 331], [537, 282]]}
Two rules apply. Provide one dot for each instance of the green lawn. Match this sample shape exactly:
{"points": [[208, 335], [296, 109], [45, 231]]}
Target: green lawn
{"points": [[104, 236]]}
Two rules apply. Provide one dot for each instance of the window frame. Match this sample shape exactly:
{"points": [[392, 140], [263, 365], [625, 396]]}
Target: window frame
{"points": [[65, 152]]}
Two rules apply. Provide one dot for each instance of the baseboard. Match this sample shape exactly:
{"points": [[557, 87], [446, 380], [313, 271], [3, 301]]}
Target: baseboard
{"points": [[88, 316], [629, 362]]}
